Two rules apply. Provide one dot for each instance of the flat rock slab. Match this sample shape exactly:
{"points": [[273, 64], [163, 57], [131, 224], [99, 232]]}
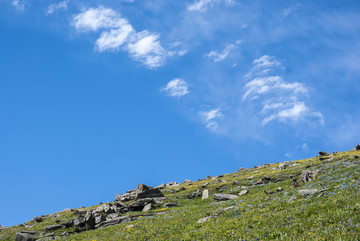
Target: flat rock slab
{"points": [[53, 227], [307, 192], [243, 192], [223, 197], [202, 220]]}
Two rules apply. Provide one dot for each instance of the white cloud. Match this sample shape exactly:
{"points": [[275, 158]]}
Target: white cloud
{"points": [[217, 57], [210, 118], [263, 66], [113, 39], [96, 18], [18, 5], [57, 6], [176, 87], [147, 49], [144, 46], [203, 5]]}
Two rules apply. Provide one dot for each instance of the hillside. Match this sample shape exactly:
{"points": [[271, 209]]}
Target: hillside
{"points": [[311, 199]]}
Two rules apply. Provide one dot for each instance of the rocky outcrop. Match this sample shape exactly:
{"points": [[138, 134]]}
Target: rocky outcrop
{"points": [[357, 147], [27, 235]]}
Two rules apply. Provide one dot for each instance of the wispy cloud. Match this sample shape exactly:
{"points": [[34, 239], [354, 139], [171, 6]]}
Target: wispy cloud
{"points": [[144, 46], [57, 6], [18, 5], [176, 88], [217, 57], [211, 118], [203, 5], [283, 101]]}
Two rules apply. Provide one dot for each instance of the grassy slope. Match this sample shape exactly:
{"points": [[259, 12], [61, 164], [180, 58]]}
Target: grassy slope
{"points": [[256, 216]]}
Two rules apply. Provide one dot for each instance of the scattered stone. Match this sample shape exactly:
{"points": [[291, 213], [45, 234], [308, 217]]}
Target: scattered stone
{"points": [[172, 184], [243, 192], [229, 208], [284, 165], [307, 192], [250, 178], [182, 189], [195, 194], [279, 189], [357, 147], [307, 176], [292, 198], [57, 221], [236, 183], [205, 194], [38, 219], [273, 169], [113, 221], [187, 181], [65, 234], [356, 156], [27, 235], [202, 220], [129, 226], [223, 197], [147, 207], [53, 227], [2, 227], [269, 192], [170, 204], [204, 185], [262, 165]]}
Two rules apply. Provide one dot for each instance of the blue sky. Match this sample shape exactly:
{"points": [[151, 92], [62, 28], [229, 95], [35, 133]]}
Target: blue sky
{"points": [[99, 96]]}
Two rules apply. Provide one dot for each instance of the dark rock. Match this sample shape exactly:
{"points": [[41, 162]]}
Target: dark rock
{"points": [[140, 204], [38, 219], [65, 234], [356, 156], [236, 183], [53, 227], [195, 194], [182, 189], [57, 221], [357, 147], [79, 221], [68, 224], [170, 204], [143, 191], [89, 221], [80, 211], [322, 153], [223, 197]]}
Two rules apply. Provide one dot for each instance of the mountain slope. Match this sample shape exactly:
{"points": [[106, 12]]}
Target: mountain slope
{"points": [[316, 198]]}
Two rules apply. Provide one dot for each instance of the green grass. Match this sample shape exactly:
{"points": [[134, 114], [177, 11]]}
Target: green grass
{"points": [[256, 216]]}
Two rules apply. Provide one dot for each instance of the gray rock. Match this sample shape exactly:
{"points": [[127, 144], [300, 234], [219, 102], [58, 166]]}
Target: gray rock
{"points": [[241, 169], [307, 192], [147, 207], [3, 227], [117, 197], [53, 227], [357, 147], [112, 216], [99, 219], [143, 191], [114, 221], [187, 181], [170, 204], [140, 204], [161, 186], [202, 220], [307, 176], [236, 183], [249, 178], [279, 189], [205, 194], [230, 208], [262, 165], [195, 194], [172, 184], [79, 221], [89, 221], [243, 192], [26, 236], [223, 197], [68, 224], [80, 211], [205, 185]]}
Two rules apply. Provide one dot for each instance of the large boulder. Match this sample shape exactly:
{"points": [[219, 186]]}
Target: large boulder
{"points": [[205, 194], [143, 191], [79, 221], [357, 147], [27, 236], [140, 204], [224, 197], [89, 221], [53, 227]]}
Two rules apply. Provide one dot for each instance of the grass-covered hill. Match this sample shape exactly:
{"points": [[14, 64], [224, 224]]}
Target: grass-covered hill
{"points": [[311, 199]]}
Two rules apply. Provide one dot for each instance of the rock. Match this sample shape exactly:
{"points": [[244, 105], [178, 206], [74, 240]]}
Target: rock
{"points": [[27, 235], [322, 153], [140, 204], [117, 197], [129, 226], [205, 194], [187, 181], [182, 189], [2, 227], [356, 156], [89, 221], [68, 224], [80, 211], [172, 184], [307, 192], [262, 165], [230, 208], [249, 178], [143, 191], [236, 183], [79, 221], [205, 185], [243, 192], [161, 186], [170, 204], [357, 147], [65, 234], [284, 165], [260, 181], [147, 207], [99, 219], [223, 197], [279, 189], [307, 176], [202, 220], [112, 216], [38, 219], [241, 169], [53, 227], [113, 221]]}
